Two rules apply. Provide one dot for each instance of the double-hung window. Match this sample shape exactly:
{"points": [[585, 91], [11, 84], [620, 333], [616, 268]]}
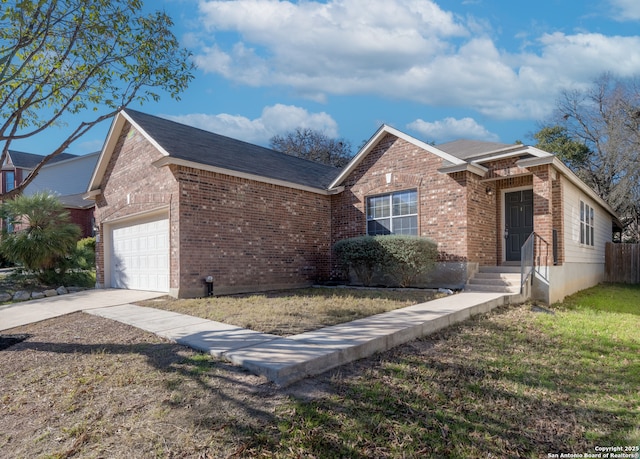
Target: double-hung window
{"points": [[393, 213], [9, 180], [586, 224]]}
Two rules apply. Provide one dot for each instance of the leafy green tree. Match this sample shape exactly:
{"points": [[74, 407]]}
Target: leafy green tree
{"points": [[89, 57], [43, 235], [313, 145], [556, 139]]}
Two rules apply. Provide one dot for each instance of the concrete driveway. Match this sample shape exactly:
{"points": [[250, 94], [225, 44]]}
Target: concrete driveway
{"points": [[26, 312]]}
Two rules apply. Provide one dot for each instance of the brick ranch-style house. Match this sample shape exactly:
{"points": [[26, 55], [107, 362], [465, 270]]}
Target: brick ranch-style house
{"points": [[176, 204]]}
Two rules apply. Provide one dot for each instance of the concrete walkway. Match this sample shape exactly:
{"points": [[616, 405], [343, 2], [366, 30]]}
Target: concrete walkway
{"points": [[286, 360], [27, 312], [281, 360]]}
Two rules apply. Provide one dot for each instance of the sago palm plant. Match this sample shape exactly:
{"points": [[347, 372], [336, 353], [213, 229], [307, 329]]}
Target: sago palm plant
{"points": [[42, 234]]}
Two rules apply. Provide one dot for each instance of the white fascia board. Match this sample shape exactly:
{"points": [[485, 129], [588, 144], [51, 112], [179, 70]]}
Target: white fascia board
{"points": [[166, 161], [92, 195], [511, 152], [573, 178], [380, 133], [471, 167]]}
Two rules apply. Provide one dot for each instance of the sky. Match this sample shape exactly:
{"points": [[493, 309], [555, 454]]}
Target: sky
{"points": [[438, 70]]}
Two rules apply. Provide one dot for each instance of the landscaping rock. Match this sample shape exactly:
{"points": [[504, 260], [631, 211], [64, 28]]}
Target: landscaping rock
{"points": [[62, 290], [37, 295], [21, 295], [5, 297], [50, 292]]}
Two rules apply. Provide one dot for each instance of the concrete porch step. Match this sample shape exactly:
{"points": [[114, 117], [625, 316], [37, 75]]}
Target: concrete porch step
{"points": [[492, 281], [502, 279], [500, 269], [492, 288]]}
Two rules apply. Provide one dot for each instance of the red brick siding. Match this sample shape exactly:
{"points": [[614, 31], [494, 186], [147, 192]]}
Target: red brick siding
{"points": [[483, 221], [558, 217], [84, 219], [133, 186], [542, 202], [442, 213], [250, 235]]}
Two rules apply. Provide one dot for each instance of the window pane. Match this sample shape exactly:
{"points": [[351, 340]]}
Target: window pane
{"points": [[582, 231], [10, 180], [379, 227], [378, 207], [592, 240], [406, 225], [581, 211], [405, 203]]}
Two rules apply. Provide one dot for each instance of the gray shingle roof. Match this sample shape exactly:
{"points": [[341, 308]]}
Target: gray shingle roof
{"points": [[24, 160], [203, 147], [468, 149]]}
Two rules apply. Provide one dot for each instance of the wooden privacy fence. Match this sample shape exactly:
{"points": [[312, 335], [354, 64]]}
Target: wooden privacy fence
{"points": [[622, 263]]}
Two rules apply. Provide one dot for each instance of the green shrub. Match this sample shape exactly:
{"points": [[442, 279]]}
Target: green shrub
{"points": [[362, 254], [85, 254], [44, 239], [401, 258], [407, 257]]}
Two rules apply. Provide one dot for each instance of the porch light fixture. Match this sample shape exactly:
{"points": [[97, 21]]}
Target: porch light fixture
{"points": [[489, 191]]}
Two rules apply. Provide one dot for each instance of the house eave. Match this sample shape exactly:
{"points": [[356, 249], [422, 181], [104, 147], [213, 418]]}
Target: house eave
{"points": [[92, 195], [476, 169], [168, 160], [570, 175]]}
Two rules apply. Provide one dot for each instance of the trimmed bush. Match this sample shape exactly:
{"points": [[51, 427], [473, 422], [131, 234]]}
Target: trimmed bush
{"points": [[362, 254], [407, 257], [400, 258]]}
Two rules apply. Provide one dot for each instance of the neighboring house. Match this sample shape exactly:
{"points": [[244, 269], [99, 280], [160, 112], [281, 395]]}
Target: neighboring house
{"points": [[18, 165], [67, 178], [175, 204]]}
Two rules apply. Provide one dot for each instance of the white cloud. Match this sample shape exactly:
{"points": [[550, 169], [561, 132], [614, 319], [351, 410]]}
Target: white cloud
{"points": [[626, 10], [403, 49], [451, 129], [276, 119]]}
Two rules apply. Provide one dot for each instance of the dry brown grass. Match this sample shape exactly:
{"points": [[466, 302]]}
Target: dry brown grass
{"points": [[289, 312], [83, 386]]}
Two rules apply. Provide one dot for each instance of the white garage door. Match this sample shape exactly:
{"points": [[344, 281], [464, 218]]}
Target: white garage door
{"points": [[140, 255]]}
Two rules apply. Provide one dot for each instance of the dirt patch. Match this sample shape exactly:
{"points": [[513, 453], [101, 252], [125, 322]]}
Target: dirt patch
{"points": [[85, 385]]}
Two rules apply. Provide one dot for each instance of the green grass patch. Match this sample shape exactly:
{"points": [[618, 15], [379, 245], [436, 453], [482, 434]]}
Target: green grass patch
{"points": [[515, 383], [622, 298]]}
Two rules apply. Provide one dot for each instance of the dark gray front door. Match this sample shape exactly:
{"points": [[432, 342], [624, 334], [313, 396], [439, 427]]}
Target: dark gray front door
{"points": [[518, 221]]}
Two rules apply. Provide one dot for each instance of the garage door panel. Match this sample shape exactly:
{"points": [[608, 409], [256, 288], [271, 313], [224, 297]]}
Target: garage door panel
{"points": [[140, 255]]}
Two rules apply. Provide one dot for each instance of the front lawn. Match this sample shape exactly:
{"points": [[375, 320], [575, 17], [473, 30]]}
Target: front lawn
{"points": [[289, 312], [518, 382]]}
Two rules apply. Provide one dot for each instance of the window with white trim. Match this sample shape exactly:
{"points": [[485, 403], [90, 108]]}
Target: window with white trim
{"points": [[393, 213], [586, 224]]}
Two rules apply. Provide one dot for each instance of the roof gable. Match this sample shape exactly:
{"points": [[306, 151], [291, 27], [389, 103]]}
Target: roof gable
{"points": [[187, 145], [377, 137], [22, 160]]}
